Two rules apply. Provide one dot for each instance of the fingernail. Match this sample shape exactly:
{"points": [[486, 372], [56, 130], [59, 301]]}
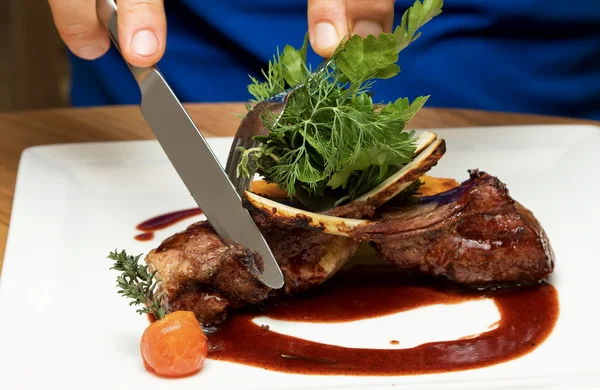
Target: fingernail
{"points": [[325, 35], [90, 52], [144, 43], [366, 27]]}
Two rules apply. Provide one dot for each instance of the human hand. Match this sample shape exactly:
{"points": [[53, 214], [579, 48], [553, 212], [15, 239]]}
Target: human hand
{"points": [[329, 21], [142, 29]]}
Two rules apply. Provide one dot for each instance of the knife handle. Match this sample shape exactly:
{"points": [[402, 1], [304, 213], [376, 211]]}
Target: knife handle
{"points": [[107, 14]]}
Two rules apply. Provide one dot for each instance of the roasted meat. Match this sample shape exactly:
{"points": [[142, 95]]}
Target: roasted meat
{"points": [[201, 274], [198, 272], [474, 234]]}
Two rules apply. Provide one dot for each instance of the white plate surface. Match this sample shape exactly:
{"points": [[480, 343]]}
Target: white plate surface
{"points": [[63, 326]]}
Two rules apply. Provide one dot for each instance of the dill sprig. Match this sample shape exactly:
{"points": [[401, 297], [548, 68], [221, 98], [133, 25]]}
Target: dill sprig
{"points": [[333, 143], [137, 284]]}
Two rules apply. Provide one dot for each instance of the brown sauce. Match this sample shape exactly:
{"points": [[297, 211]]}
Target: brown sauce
{"points": [[163, 221], [145, 236], [528, 315]]}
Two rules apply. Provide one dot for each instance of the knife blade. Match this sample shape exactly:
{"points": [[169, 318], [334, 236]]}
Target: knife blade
{"points": [[193, 159]]}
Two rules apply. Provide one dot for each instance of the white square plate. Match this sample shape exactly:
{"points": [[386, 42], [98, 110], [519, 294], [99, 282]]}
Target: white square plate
{"points": [[63, 326]]}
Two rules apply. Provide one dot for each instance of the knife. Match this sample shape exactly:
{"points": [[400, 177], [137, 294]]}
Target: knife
{"points": [[193, 159]]}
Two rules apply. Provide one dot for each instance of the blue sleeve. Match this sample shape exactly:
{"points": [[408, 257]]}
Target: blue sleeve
{"points": [[510, 55]]}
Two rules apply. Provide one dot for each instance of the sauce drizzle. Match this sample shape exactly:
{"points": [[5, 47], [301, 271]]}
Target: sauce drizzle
{"points": [[163, 221], [145, 236], [528, 315]]}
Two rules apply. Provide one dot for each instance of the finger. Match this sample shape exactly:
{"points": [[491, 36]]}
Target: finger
{"points": [[142, 31], [327, 25], [78, 26], [370, 17]]}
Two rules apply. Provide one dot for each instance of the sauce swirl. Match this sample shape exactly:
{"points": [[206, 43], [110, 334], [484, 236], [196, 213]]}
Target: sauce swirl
{"points": [[528, 315]]}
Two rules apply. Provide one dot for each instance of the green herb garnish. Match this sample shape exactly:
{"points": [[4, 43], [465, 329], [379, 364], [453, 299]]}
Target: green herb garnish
{"points": [[332, 143], [137, 283]]}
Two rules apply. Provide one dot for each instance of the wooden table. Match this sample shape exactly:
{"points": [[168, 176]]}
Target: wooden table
{"points": [[22, 130]]}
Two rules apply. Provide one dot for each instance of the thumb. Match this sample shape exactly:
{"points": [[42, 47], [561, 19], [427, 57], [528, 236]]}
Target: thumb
{"points": [[370, 17], [327, 25], [142, 31]]}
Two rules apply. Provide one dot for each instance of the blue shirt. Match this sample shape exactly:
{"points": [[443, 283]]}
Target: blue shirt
{"points": [[532, 56]]}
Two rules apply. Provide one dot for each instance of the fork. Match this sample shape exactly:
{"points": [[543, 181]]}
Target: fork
{"points": [[252, 125]]}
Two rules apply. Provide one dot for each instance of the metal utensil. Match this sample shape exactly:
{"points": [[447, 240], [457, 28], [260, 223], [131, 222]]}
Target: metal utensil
{"points": [[193, 159], [252, 125]]}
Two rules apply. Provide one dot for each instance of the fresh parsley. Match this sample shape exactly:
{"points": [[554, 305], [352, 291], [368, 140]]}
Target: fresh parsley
{"points": [[332, 143]]}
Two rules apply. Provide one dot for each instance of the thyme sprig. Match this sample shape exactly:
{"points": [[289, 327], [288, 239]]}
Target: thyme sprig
{"points": [[137, 284]]}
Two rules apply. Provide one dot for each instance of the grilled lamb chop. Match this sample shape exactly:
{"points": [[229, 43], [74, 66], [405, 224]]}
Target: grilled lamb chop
{"points": [[474, 234], [202, 274]]}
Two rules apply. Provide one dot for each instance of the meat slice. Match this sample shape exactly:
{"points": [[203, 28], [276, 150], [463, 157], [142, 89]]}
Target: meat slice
{"points": [[473, 234], [307, 258], [198, 272], [202, 274]]}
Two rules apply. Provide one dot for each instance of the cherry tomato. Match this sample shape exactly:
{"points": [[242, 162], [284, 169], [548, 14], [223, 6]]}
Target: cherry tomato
{"points": [[174, 346]]}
